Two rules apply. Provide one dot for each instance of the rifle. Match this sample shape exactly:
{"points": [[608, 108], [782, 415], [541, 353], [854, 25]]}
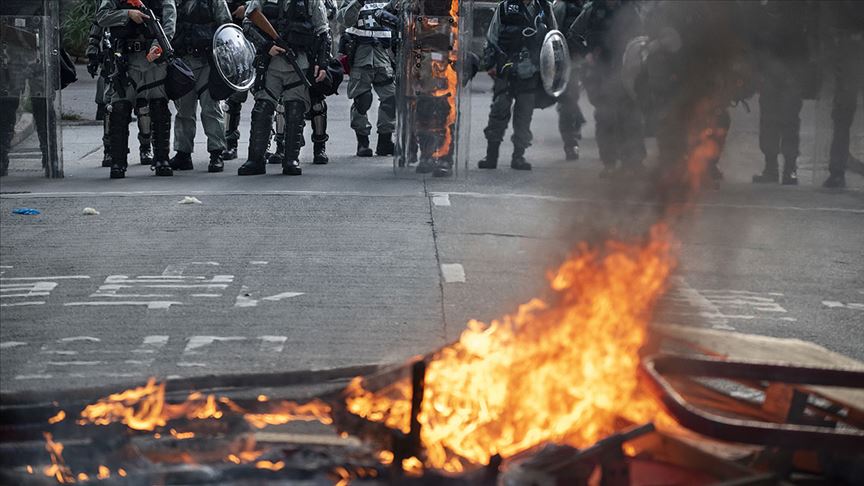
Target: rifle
{"points": [[260, 21], [156, 30]]}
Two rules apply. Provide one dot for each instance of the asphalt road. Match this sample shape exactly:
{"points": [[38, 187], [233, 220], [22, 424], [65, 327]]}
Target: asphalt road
{"points": [[353, 264]]}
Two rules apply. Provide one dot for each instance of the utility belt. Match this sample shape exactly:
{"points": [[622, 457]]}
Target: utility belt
{"points": [[193, 51], [128, 46]]}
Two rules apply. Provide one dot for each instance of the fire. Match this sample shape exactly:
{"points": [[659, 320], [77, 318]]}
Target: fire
{"points": [[562, 372], [104, 472], [288, 411], [61, 415], [58, 468], [145, 408], [272, 466], [452, 83]]}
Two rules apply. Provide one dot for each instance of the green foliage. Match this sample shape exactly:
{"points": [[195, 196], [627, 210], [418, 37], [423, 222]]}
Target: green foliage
{"points": [[75, 26]]}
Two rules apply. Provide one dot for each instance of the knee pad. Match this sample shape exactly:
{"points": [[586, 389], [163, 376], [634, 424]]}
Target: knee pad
{"points": [[263, 107], [363, 102], [159, 109], [142, 111]]}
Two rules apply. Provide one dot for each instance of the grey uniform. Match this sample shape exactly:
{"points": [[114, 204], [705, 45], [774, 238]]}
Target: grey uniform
{"points": [[193, 41], [372, 67], [515, 59], [138, 83], [146, 78], [281, 81]]}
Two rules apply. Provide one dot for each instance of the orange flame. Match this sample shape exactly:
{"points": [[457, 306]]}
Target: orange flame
{"points": [[61, 415], [104, 472], [145, 408], [272, 466], [563, 373], [450, 91], [58, 468]]}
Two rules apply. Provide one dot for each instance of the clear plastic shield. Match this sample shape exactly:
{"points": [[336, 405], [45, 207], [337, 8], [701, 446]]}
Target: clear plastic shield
{"points": [[234, 57], [554, 63], [30, 129], [433, 96]]}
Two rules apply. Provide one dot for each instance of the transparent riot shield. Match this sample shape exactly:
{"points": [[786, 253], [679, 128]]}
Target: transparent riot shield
{"points": [[30, 129], [433, 97]]}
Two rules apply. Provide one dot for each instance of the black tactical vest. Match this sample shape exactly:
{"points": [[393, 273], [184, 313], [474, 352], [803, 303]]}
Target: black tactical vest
{"points": [[292, 20], [195, 25], [516, 22], [131, 30], [368, 30]]}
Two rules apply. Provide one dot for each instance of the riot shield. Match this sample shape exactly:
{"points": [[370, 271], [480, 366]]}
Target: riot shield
{"points": [[433, 96], [30, 129]]}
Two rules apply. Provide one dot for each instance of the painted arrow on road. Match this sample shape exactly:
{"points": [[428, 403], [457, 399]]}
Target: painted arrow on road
{"points": [[244, 299]]}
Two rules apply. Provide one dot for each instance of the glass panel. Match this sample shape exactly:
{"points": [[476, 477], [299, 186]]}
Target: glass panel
{"points": [[30, 132], [433, 105]]}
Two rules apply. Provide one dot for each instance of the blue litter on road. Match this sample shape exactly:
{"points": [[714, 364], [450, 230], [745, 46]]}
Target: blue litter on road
{"points": [[27, 211]]}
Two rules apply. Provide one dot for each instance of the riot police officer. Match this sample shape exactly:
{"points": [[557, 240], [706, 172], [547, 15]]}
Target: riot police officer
{"points": [[368, 45], [846, 24], [512, 58], [100, 60], [317, 116], [140, 80], [782, 50], [197, 21], [22, 66], [605, 28], [302, 27], [570, 117], [235, 102]]}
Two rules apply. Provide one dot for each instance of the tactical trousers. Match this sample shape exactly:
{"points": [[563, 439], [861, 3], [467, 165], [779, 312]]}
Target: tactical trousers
{"points": [[234, 105], [618, 120], [780, 105], [143, 118], [212, 116], [145, 80], [282, 84], [362, 81], [570, 117], [522, 103], [849, 85]]}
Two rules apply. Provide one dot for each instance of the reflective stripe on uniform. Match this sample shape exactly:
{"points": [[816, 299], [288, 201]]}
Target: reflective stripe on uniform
{"points": [[378, 34]]}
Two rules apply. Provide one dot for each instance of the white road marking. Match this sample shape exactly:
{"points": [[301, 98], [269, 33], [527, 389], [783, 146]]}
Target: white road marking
{"points": [[684, 292], [177, 269], [244, 298], [74, 363], [283, 295], [35, 289], [453, 272], [11, 344], [272, 344], [152, 344], [34, 377], [197, 342], [61, 352], [258, 262], [833, 304], [206, 295], [79, 338], [157, 304], [191, 365], [441, 199], [18, 304], [64, 277]]}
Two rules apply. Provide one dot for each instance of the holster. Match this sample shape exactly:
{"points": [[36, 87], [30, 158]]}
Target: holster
{"points": [[262, 61]]}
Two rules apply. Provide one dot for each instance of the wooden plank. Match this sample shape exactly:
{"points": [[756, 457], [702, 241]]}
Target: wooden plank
{"points": [[750, 347]]}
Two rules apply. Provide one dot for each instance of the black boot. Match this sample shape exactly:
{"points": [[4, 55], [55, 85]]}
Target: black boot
{"points": [[8, 107], [106, 139], [145, 154], [320, 153], [571, 152], [770, 174], [216, 162], [836, 180], [491, 159], [259, 138], [385, 145], [363, 149], [278, 156], [232, 124], [294, 112], [790, 172], [443, 169], [161, 137], [121, 112], [181, 161], [518, 161], [425, 166]]}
